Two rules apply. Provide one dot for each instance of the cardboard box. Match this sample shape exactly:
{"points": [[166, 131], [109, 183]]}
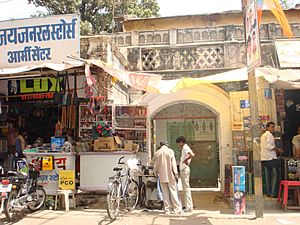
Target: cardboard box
{"points": [[107, 143], [128, 145]]}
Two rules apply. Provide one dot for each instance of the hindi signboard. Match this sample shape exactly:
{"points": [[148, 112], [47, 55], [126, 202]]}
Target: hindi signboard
{"points": [[252, 35], [38, 40]]}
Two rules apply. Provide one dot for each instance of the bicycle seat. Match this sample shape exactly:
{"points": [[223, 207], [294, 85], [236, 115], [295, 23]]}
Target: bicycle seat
{"points": [[19, 175], [117, 168]]}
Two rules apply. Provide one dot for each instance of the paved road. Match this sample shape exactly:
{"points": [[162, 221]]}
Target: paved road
{"points": [[197, 217]]}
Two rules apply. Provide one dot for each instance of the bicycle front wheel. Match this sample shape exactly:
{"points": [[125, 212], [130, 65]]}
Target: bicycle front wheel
{"points": [[113, 201], [132, 195]]}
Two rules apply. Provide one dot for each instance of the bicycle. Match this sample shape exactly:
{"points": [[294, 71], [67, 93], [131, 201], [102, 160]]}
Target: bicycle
{"points": [[122, 187]]}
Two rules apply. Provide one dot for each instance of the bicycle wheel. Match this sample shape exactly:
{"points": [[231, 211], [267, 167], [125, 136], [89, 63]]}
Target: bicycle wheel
{"points": [[39, 198], [113, 201], [142, 196], [131, 195]]}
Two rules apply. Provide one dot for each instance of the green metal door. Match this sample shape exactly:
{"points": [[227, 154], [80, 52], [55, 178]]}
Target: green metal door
{"points": [[202, 138]]}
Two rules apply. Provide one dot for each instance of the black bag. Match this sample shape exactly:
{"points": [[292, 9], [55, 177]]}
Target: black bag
{"points": [[67, 97], [58, 96], [75, 96]]}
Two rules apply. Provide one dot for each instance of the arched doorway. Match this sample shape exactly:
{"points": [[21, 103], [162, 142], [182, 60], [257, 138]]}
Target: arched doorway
{"points": [[198, 125], [207, 95]]}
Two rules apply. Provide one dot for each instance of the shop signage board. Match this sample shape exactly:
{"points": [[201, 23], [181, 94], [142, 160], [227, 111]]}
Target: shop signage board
{"points": [[49, 178], [47, 163], [34, 89], [290, 168], [35, 41], [66, 179], [288, 53], [252, 35], [239, 189]]}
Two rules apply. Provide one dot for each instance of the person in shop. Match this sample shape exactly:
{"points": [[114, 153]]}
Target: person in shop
{"points": [[186, 156], [269, 161], [165, 167], [296, 143], [69, 136], [20, 145]]}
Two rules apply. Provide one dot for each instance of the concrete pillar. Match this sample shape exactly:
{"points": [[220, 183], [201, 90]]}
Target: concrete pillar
{"points": [[173, 37], [229, 32], [272, 31], [135, 38]]}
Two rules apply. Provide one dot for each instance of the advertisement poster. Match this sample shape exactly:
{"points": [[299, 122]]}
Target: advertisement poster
{"points": [[239, 190], [66, 179], [252, 36]]}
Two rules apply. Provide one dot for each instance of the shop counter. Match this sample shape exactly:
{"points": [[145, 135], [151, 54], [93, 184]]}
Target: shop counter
{"points": [[97, 167], [49, 178]]}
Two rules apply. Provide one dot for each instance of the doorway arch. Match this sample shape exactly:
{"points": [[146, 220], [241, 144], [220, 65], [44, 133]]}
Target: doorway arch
{"points": [[209, 96]]}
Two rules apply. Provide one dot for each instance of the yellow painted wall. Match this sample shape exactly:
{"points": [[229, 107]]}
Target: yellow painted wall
{"points": [[201, 21], [266, 107]]}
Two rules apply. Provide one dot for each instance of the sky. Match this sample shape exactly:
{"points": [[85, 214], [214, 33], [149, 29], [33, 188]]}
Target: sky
{"points": [[15, 9]]}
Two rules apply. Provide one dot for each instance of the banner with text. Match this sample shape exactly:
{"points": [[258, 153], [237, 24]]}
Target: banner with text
{"points": [[252, 36], [38, 40], [35, 89]]}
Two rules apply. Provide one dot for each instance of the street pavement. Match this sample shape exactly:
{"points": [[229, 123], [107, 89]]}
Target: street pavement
{"points": [[140, 217], [210, 209]]}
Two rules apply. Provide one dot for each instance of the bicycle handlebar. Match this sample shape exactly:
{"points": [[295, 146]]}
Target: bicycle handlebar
{"points": [[120, 160]]}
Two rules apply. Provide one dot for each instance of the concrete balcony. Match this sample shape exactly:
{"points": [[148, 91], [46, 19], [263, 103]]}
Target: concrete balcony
{"points": [[198, 35]]}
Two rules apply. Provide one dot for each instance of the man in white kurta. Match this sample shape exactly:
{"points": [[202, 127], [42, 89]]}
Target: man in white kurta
{"points": [[270, 163], [186, 156], [165, 167]]}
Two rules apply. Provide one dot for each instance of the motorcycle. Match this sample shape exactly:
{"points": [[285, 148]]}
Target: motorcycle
{"points": [[5, 189], [23, 192]]}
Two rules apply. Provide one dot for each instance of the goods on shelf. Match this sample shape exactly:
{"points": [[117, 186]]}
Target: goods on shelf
{"points": [[131, 122]]}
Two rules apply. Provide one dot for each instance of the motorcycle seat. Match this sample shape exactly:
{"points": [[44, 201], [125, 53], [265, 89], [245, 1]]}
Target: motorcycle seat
{"points": [[19, 175]]}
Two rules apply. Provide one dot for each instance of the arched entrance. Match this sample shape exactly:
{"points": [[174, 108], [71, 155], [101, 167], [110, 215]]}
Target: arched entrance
{"points": [[208, 96], [198, 125]]}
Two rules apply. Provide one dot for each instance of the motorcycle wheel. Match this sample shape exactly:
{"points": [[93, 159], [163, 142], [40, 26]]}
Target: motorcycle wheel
{"points": [[39, 197], [9, 203]]}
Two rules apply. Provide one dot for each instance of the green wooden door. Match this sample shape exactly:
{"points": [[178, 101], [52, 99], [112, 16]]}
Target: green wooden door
{"points": [[201, 137]]}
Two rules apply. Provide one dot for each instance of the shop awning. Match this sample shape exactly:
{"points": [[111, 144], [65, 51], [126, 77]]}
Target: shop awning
{"points": [[140, 81], [9, 72], [285, 79], [288, 53]]}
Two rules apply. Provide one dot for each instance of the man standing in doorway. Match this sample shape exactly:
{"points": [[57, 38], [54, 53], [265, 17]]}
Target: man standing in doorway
{"points": [[20, 145], [165, 167], [269, 161], [185, 160]]}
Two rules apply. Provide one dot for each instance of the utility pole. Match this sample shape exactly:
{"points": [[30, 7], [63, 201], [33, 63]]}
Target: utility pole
{"points": [[255, 128]]}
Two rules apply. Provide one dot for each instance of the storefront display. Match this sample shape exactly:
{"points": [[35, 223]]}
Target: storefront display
{"points": [[87, 119], [289, 168], [131, 123]]}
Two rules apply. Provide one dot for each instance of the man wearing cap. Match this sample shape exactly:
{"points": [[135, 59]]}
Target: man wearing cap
{"points": [[165, 167]]}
